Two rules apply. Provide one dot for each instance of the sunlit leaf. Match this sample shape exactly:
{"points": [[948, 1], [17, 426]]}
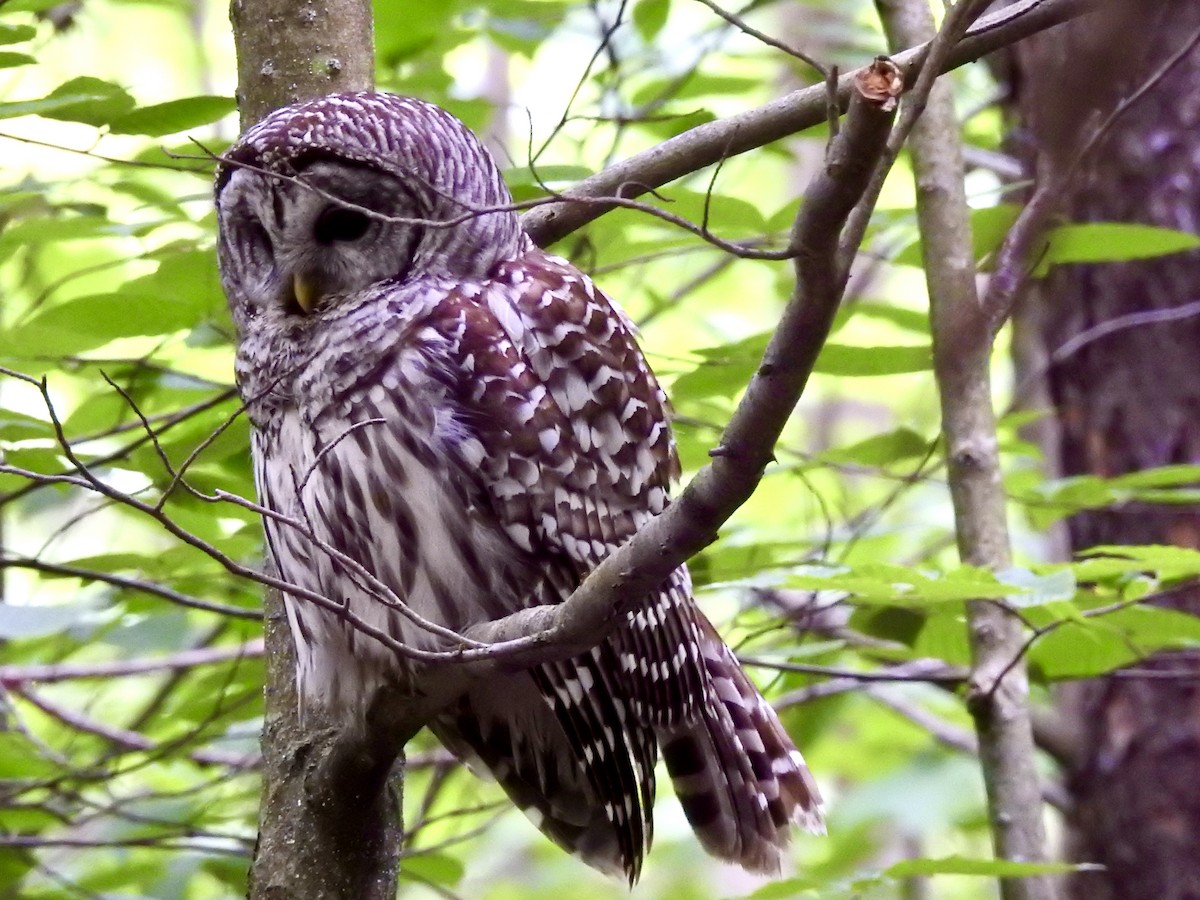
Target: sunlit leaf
{"points": [[1112, 242], [15, 34], [13, 108], [845, 360], [649, 17], [174, 116], [1038, 589], [989, 226], [881, 449], [995, 868], [108, 101], [432, 868], [10, 60], [22, 758]]}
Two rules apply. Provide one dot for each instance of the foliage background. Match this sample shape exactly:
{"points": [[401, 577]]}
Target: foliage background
{"points": [[130, 658]]}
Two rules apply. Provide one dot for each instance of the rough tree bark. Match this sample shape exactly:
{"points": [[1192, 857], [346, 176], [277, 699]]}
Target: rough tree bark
{"points": [[308, 848], [1125, 401]]}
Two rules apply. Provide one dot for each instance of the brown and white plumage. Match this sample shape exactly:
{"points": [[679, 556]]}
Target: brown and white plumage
{"points": [[470, 420]]}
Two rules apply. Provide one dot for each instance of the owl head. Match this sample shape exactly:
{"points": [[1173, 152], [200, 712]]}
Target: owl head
{"points": [[325, 199]]}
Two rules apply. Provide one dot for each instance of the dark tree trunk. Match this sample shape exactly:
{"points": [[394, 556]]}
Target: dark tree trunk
{"points": [[329, 829], [1126, 401]]}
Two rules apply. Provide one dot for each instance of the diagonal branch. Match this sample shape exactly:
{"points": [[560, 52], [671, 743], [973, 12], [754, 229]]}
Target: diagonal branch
{"points": [[690, 523]]}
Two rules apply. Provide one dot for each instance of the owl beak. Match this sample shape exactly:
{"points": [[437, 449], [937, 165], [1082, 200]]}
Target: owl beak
{"points": [[306, 293]]}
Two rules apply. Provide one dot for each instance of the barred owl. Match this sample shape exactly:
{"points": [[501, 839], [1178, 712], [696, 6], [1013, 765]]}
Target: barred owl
{"points": [[441, 405]]}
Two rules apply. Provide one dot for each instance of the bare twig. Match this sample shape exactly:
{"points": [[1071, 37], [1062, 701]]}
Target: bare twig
{"points": [[143, 586], [1014, 261], [14, 675], [742, 25], [132, 740]]}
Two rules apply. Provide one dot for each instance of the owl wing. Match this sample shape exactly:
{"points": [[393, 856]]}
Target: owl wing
{"points": [[564, 429], [568, 429]]}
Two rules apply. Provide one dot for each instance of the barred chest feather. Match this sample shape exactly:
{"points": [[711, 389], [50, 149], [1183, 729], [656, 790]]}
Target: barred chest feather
{"points": [[364, 453], [395, 508]]}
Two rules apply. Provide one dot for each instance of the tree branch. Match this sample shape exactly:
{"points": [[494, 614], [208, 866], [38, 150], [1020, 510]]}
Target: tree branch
{"points": [[998, 688], [133, 740], [11, 676], [691, 522]]}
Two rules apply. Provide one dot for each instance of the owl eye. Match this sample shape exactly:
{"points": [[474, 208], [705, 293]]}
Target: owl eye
{"points": [[337, 223]]}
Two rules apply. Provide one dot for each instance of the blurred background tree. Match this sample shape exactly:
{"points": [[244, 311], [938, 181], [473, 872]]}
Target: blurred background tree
{"points": [[131, 662]]}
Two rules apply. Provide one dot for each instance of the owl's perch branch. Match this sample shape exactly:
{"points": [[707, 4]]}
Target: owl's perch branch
{"points": [[710, 143]]}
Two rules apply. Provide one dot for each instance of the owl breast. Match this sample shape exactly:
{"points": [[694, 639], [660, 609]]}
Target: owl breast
{"points": [[379, 515]]}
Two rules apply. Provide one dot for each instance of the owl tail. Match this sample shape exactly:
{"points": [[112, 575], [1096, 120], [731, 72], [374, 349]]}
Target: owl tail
{"points": [[740, 780], [571, 766]]}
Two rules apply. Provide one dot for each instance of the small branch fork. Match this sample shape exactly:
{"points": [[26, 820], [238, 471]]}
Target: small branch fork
{"points": [[708, 144]]}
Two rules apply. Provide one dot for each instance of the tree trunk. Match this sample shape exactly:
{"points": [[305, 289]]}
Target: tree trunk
{"points": [[1124, 401], [328, 830]]}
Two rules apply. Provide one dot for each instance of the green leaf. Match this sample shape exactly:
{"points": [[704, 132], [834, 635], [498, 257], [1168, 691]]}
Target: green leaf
{"points": [[1112, 242], [881, 449], [50, 229], [35, 6], [45, 105], [1167, 562], [784, 889], [669, 121], [86, 323], [730, 561], [174, 116], [174, 298], [908, 319], [1082, 648], [993, 868], [725, 370], [727, 216], [14, 865], [844, 360], [21, 758], [17, 426], [10, 60], [15, 34], [1054, 586], [432, 868], [704, 85], [988, 229], [881, 583], [108, 101], [649, 17]]}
